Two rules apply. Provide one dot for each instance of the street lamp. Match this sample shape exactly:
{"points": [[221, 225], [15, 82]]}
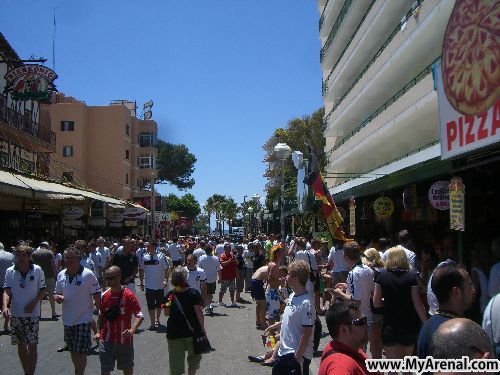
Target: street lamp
{"points": [[282, 152], [250, 210]]}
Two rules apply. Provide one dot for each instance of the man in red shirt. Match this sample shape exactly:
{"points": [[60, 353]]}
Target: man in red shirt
{"points": [[349, 330], [228, 274], [115, 329]]}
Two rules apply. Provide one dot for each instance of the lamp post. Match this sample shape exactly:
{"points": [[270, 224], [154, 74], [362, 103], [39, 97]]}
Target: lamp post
{"points": [[256, 199], [282, 152], [250, 230], [153, 201]]}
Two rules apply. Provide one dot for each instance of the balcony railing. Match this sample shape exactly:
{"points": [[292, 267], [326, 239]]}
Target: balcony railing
{"points": [[389, 39], [322, 18], [325, 84], [18, 121], [335, 28], [424, 73]]}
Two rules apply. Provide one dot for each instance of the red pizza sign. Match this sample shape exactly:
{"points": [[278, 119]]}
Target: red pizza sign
{"points": [[30, 82]]}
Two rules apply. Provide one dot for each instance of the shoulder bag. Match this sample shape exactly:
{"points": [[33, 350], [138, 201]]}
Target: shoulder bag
{"points": [[201, 345]]}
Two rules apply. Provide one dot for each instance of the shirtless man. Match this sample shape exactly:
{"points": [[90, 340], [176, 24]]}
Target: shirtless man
{"points": [[273, 283], [259, 295]]}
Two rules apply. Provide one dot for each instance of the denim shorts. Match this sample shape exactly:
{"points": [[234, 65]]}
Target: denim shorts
{"points": [[110, 352]]}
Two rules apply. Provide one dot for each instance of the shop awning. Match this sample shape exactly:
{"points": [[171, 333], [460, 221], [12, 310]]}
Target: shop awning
{"points": [[20, 185], [417, 166], [17, 184]]}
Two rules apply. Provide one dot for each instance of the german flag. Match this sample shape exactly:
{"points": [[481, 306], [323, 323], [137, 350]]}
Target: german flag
{"points": [[330, 212]]}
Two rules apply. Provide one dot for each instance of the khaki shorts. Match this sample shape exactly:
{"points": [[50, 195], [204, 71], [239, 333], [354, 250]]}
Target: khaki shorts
{"points": [[176, 353], [50, 283]]}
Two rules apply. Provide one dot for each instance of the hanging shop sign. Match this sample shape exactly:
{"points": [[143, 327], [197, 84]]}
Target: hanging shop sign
{"points": [[352, 217], [115, 216], [457, 204], [468, 80], [72, 212], [439, 195], [30, 82], [72, 223], [134, 213], [97, 209], [98, 221], [383, 207], [15, 157]]}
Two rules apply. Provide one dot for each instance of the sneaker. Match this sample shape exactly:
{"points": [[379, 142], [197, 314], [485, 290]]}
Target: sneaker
{"points": [[222, 304], [234, 304]]}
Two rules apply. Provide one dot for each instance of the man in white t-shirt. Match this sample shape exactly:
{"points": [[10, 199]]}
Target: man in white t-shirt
{"points": [[248, 255], [77, 289], [360, 284], [296, 335], [200, 251], [211, 265], [24, 287], [175, 250], [196, 276], [219, 249], [155, 268], [104, 251]]}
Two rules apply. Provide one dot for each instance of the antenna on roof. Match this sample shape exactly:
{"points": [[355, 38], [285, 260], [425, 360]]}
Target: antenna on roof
{"points": [[54, 41]]}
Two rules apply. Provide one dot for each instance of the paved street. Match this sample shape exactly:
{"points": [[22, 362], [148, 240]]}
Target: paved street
{"points": [[231, 332]]}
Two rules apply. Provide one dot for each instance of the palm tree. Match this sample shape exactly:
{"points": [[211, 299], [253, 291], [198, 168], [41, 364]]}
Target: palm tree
{"points": [[229, 210], [215, 204]]}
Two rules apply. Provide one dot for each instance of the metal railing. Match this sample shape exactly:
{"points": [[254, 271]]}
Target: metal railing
{"points": [[335, 28], [387, 104], [322, 18], [325, 83], [373, 59], [26, 125]]}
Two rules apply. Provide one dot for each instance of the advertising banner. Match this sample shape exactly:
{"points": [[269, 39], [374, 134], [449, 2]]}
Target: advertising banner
{"points": [[439, 195], [383, 207], [457, 204], [352, 217]]}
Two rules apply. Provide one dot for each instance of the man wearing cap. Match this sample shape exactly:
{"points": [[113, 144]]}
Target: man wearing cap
{"points": [[44, 258]]}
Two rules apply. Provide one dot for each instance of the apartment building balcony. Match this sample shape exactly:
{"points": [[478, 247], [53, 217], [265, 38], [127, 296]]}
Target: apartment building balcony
{"points": [[23, 130], [342, 29], [406, 58], [408, 124], [329, 11], [377, 27]]}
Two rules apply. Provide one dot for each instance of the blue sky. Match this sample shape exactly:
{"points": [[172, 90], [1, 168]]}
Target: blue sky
{"points": [[223, 74]]}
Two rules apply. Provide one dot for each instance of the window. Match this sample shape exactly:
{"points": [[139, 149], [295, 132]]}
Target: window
{"points": [[67, 151], [127, 130], [146, 161], [67, 176], [126, 154], [67, 126], [147, 139], [126, 179]]}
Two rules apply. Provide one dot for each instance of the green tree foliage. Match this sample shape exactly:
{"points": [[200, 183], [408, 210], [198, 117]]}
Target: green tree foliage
{"points": [[299, 130], [186, 206], [201, 225], [175, 165]]}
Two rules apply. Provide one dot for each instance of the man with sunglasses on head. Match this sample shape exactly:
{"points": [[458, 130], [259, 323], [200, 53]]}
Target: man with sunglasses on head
{"points": [[77, 289], [118, 304], [348, 329], [24, 287]]}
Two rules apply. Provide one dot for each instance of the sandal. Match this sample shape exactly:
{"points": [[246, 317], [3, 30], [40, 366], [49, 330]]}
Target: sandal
{"points": [[268, 364], [253, 358]]}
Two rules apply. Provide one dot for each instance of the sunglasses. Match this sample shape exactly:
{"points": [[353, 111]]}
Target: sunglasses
{"points": [[111, 277], [361, 322]]}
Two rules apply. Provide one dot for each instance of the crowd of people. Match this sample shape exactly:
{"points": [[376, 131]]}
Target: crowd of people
{"points": [[400, 300]]}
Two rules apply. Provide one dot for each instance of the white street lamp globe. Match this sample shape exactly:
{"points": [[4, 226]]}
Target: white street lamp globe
{"points": [[282, 151], [250, 209]]}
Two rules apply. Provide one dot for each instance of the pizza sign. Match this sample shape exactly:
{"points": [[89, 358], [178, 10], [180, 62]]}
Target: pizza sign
{"points": [[468, 78], [30, 82]]}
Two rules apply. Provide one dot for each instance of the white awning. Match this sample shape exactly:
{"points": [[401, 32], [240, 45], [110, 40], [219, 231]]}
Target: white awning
{"points": [[20, 185], [17, 184]]}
